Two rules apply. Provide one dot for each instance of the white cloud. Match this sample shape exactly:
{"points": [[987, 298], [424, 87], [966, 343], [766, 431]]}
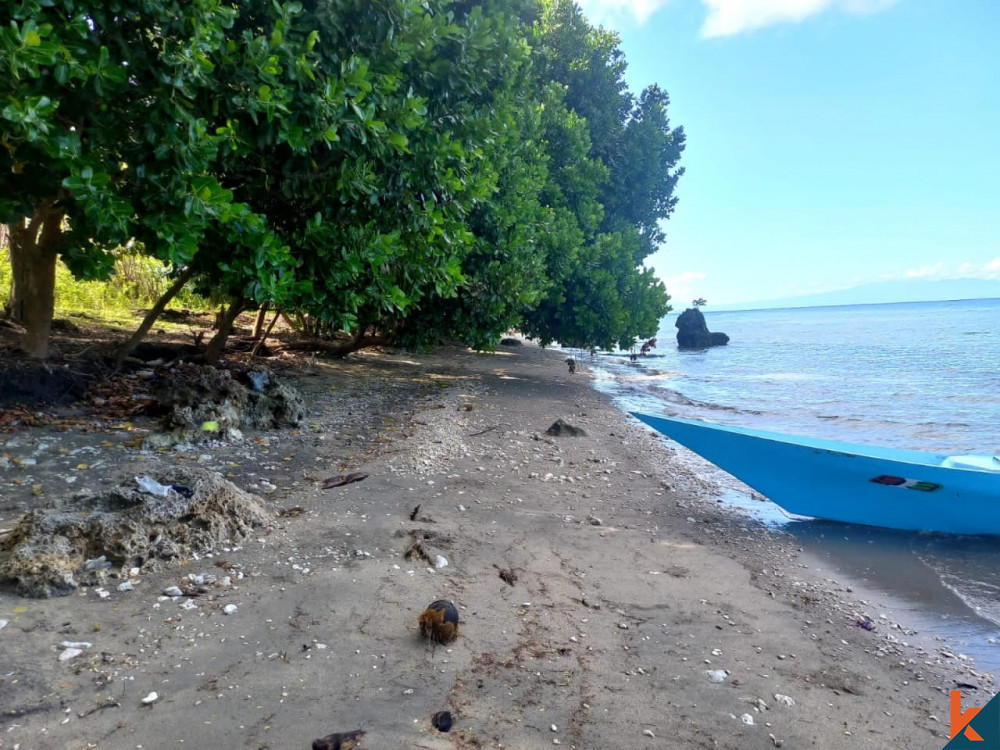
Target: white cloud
{"points": [[937, 271], [730, 17], [682, 288], [606, 11], [933, 271]]}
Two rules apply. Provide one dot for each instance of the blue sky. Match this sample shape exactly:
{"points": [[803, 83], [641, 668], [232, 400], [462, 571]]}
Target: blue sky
{"points": [[830, 143]]}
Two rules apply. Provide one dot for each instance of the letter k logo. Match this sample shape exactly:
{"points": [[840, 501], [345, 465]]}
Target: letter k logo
{"points": [[960, 720]]}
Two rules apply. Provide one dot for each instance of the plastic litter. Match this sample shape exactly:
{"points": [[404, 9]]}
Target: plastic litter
{"points": [[259, 380], [150, 485], [98, 563]]}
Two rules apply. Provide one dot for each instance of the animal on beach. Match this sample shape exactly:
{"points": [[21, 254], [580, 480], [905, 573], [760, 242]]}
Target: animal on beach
{"points": [[572, 365]]}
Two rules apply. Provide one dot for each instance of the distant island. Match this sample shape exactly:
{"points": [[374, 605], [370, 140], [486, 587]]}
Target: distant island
{"points": [[903, 290]]}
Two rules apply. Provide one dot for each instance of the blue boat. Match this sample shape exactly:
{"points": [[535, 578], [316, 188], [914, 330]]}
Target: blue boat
{"points": [[863, 484]]}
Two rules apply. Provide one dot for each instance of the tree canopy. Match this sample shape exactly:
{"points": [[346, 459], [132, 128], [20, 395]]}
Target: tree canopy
{"points": [[385, 170]]}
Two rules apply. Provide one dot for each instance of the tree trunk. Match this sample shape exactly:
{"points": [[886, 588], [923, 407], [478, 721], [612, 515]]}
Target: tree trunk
{"points": [[126, 347], [214, 350], [5, 247], [258, 326], [262, 339], [33, 253]]}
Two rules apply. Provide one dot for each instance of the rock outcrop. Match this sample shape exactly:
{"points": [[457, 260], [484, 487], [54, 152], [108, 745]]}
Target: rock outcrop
{"points": [[138, 524], [693, 333]]}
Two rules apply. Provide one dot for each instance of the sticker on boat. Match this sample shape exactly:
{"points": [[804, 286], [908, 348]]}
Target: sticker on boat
{"points": [[910, 484]]}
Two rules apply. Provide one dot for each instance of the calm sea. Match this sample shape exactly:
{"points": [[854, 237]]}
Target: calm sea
{"points": [[924, 376]]}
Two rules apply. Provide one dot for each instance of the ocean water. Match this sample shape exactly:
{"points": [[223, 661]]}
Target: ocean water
{"points": [[924, 376]]}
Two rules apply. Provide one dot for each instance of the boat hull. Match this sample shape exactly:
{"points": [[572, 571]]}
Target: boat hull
{"points": [[861, 484]]}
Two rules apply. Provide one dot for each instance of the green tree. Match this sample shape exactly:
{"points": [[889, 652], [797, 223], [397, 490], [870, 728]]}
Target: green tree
{"points": [[102, 140], [397, 216], [600, 294]]}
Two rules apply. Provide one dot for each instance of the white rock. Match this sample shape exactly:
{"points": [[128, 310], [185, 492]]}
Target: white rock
{"points": [[716, 675], [747, 719], [70, 653], [75, 644], [229, 609], [3, 624], [554, 728], [126, 586], [648, 732], [440, 561], [188, 604], [151, 698], [784, 699], [173, 591]]}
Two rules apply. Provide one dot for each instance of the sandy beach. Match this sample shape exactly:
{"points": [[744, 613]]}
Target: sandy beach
{"points": [[606, 600]]}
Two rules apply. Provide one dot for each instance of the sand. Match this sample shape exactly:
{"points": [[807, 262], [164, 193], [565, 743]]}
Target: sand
{"points": [[606, 600]]}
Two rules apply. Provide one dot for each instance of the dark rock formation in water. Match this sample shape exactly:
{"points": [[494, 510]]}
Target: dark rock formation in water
{"points": [[693, 333]]}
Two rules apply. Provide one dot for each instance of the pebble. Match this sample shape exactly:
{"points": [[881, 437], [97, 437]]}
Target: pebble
{"points": [[716, 675], [648, 732], [151, 698], [747, 719], [229, 609], [126, 586], [173, 591], [440, 561], [784, 699], [70, 653], [3, 624]]}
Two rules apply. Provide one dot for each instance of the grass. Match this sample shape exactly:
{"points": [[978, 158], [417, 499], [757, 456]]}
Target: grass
{"points": [[137, 283]]}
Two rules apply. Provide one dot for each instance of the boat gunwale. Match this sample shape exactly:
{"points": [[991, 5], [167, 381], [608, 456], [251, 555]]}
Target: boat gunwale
{"points": [[904, 456]]}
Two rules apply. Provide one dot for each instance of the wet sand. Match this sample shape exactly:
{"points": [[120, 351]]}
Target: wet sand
{"points": [[639, 613]]}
